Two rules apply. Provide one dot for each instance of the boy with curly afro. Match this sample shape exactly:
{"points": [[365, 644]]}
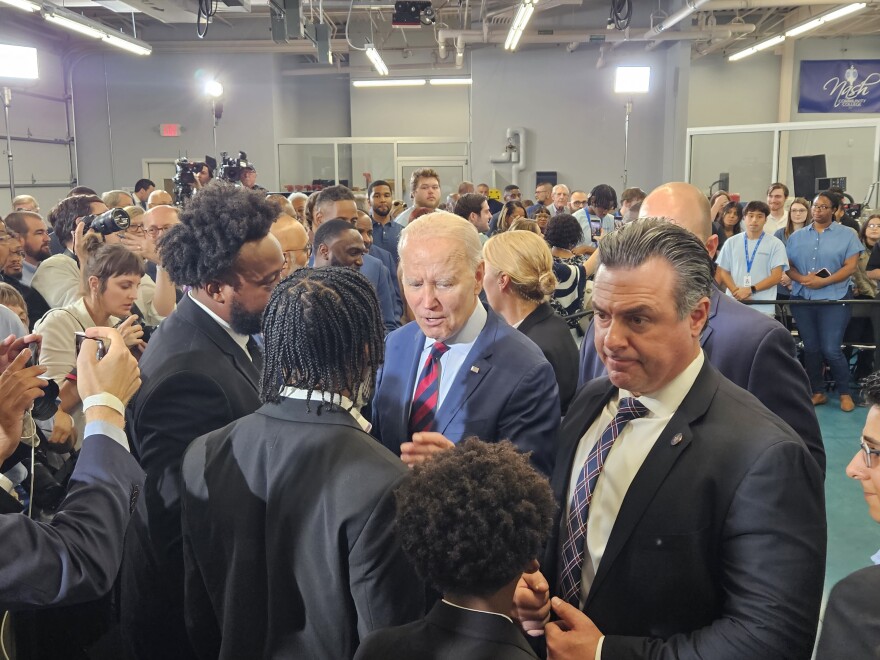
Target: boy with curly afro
{"points": [[471, 520]]}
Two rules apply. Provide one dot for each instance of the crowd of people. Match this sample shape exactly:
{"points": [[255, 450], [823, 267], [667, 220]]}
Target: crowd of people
{"points": [[335, 425]]}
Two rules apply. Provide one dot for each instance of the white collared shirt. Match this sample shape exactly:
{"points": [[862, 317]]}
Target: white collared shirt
{"points": [[624, 461], [469, 609], [241, 340], [451, 362], [339, 400], [772, 224]]}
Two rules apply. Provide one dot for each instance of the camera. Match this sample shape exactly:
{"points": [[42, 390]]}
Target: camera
{"points": [[46, 405], [186, 171], [230, 168], [108, 222], [148, 330], [81, 336]]}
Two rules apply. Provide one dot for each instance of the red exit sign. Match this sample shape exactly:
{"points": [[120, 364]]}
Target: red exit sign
{"points": [[169, 130]]}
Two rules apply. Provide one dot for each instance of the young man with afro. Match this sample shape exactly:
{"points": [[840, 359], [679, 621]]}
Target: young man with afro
{"points": [[471, 520]]}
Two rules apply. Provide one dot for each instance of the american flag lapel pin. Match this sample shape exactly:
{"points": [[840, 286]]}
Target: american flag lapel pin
{"points": [[475, 370]]}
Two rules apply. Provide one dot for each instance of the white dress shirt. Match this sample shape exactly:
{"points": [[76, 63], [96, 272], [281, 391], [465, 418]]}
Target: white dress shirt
{"points": [[624, 460], [460, 344], [27, 272], [339, 400], [772, 224], [239, 339]]}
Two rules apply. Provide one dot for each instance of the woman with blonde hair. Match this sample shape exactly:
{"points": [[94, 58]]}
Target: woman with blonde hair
{"points": [[518, 281]]}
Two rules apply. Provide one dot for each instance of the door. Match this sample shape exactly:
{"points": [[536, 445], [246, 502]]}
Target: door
{"points": [[452, 172]]}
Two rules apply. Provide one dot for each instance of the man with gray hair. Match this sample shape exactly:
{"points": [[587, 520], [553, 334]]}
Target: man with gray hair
{"points": [[459, 370], [751, 349], [681, 534], [117, 199]]}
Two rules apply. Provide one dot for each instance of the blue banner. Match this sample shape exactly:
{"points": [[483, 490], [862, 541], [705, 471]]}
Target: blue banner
{"points": [[842, 86]]}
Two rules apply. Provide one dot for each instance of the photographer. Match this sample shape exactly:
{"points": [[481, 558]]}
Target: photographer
{"points": [[59, 279], [76, 556], [112, 274]]}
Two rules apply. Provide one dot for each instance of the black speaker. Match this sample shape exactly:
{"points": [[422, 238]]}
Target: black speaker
{"points": [[549, 177], [805, 170]]}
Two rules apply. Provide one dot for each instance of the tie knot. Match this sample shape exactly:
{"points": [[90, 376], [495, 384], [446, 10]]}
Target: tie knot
{"points": [[631, 408], [438, 349]]}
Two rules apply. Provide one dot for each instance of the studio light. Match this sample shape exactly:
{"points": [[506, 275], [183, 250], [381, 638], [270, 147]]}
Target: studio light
{"points": [[376, 59], [769, 43], [825, 18], [523, 14], [632, 79], [450, 81], [24, 5], [390, 82], [18, 62], [213, 89]]}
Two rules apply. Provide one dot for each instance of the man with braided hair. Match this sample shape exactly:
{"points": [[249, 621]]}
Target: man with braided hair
{"points": [[200, 372], [289, 546]]}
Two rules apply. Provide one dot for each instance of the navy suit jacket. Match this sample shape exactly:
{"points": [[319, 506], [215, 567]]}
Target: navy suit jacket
{"points": [[755, 352], [76, 557], [388, 261], [851, 628], [380, 278], [718, 550], [505, 390]]}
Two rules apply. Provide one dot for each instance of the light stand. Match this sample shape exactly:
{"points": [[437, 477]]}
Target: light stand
{"points": [[214, 91], [630, 80], [629, 108], [7, 101]]}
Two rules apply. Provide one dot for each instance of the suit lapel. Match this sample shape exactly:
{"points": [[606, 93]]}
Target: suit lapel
{"points": [[411, 351], [473, 370], [660, 460]]}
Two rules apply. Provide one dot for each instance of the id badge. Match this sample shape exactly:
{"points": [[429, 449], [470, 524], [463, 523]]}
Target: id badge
{"points": [[747, 281]]}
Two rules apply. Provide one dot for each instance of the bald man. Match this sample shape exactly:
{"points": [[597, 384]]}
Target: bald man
{"points": [[294, 241], [749, 348], [159, 198]]}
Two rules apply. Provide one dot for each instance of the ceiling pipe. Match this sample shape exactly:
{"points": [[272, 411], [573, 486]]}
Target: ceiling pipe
{"points": [[690, 7], [724, 5]]}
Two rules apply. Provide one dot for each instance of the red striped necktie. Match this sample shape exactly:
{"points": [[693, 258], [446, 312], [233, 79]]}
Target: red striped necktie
{"points": [[424, 405]]}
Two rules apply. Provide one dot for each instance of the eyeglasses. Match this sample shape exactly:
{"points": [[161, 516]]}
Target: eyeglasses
{"points": [[158, 231], [797, 210], [288, 256], [17, 253], [821, 207], [867, 452], [872, 226], [135, 229]]}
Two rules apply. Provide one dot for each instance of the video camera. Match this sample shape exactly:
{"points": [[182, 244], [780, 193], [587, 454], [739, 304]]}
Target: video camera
{"points": [[184, 178], [230, 168]]}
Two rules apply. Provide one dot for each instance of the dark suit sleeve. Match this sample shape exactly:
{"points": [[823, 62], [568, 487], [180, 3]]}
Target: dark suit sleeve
{"points": [[590, 365], [76, 556], [384, 586], [779, 381], [851, 628], [387, 300], [530, 419], [772, 558]]}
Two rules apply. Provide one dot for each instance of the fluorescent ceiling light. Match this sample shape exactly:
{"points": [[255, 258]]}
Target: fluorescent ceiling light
{"points": [[778, 39], [376, 59], [26, 5], [74, 25], [126, 43], [632, 79], [18, 62], [390, 82], [450, 81], [523, 14], [826, 18]]}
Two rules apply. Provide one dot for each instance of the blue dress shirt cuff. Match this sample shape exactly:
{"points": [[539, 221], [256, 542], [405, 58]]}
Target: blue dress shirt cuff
{"points": [[110, 430]]}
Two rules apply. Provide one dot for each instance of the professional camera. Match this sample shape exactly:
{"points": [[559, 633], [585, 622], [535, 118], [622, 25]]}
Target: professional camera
{"points": [[184, 178], [108, 222], [148, 330], [230, 168]]}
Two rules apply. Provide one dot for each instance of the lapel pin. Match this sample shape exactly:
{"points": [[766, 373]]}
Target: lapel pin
{"points": [[676, 439], [475, 370]]}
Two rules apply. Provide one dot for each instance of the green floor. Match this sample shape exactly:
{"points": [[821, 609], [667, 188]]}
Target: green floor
{"points": [[852, 535]]}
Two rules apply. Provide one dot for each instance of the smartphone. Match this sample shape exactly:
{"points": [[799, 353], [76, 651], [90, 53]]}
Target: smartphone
{"points": [[822, 272], [34, 359], [80, 336]]}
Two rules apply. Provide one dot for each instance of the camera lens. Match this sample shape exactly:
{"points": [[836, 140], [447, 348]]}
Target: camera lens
{"points": [[108, 222]]}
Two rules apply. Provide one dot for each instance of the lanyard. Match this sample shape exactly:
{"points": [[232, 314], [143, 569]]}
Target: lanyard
{"points": [[751, 260]]}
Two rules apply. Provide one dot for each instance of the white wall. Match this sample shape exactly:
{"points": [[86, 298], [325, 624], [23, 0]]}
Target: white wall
{"points": [[573, 119]]}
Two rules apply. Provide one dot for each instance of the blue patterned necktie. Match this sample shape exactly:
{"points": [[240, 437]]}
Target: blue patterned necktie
{"points": [[572, 553], [424, 405]]}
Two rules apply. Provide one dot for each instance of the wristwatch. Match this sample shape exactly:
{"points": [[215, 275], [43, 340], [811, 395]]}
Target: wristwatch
{"points": [[754, 290]]}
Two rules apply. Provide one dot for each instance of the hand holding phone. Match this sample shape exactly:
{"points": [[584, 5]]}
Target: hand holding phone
{"points": [[81, 336], [823, 273]]}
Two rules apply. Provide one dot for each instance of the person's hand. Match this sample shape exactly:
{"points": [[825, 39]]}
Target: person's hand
{"points": [[785, 281], [132, 333], [12, 346], [574, 636], [814, 281], [116, 373], [63, 432], [135, 243], [742, 293], [531, 603], [80, 231], [423, 446], [20, 386]]}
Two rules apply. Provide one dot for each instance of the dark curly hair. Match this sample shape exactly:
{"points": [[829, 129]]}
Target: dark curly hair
{"points": [[563, 231], [471, 518], [871, 389], [62, 217], [215, 225], [322, 330]]}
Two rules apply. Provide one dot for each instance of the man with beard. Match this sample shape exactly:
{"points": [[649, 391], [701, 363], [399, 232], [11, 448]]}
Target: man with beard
{"points": [[11, 262], [424, 186], [200, 372], [32, 230], [386, 233]]}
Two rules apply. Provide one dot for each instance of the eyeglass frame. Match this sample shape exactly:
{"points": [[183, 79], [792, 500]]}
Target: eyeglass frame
{"points": [[866, 453], [286, 254]]}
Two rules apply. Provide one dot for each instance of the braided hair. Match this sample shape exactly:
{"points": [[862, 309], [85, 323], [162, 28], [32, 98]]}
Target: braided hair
{"points": [[323, 331]]}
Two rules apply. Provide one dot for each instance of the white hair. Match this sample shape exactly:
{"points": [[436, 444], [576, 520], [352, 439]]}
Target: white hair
{"points": [[440, 225]]}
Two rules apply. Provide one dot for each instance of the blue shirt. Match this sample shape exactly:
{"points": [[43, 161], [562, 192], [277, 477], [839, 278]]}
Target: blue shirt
{"points": [[810, 250], [386, 237]]}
